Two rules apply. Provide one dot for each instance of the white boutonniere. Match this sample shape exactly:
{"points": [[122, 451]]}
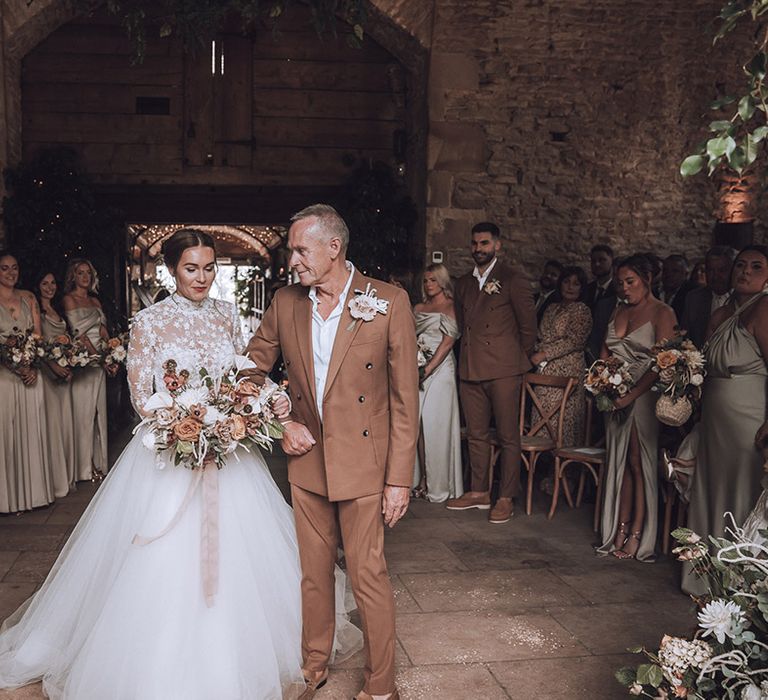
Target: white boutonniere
{"points": [[366, 304], [492, 287]]}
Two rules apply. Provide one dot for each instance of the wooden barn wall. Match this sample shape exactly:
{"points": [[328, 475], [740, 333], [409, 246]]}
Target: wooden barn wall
{"points": [[287, 110]]}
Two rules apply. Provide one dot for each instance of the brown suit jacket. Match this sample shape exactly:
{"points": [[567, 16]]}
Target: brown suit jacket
{"points": [[498, 331], [371, 405]]}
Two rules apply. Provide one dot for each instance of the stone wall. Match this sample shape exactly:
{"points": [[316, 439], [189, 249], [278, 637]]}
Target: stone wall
{"points": [[566, 123]]}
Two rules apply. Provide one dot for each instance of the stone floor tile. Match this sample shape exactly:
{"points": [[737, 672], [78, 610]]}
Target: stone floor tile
{"points": [[342, 684], [68, 513], [35, 538], [418, 557], [38, 516], [563, 679], [6, 562], [421, 529], [614, 628], [467, 637], [30, 567], [517, 553], [12, 595], [358, 660], [506, 591], [404, 601], [449, 683]]}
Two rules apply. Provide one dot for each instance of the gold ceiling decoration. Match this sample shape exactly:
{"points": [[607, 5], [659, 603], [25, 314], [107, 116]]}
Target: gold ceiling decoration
{"points": [[246, 238]]}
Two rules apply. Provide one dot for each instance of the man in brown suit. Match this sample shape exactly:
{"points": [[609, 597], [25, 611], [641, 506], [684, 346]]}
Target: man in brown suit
{"points": [[350, 352], [496, 315]]}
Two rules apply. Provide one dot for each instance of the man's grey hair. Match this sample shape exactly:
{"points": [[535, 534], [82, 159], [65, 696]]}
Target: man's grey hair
{"points": [[328, 220], [722, 251]]}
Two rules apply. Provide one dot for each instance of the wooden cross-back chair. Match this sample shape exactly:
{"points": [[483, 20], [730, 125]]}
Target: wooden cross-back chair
{"points": [[536, 438], [591, 459]]}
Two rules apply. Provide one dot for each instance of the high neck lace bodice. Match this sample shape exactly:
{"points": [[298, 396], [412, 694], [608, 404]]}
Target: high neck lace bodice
{"points": [[194, 334]]}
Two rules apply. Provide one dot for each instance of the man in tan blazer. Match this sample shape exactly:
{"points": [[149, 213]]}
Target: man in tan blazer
{"points": [[494, 304], [349, 345]]}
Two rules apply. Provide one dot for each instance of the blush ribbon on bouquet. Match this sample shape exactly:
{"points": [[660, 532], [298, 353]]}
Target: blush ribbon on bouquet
{"points": [[208, 476]]}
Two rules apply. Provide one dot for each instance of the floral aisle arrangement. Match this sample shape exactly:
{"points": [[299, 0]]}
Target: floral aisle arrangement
{"points": [[114, 352], [727, 657], [20, 351], [608, 380], [191, 425], [681, 370]]}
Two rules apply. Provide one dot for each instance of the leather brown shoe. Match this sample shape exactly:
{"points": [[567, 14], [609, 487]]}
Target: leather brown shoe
{"points": [[314, 680], [471, 499], [362, 695], [501, 512]]}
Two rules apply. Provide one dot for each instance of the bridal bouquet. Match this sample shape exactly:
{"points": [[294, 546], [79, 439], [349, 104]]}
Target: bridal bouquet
{"points": [[114, 351], [22, 350], [727, 657], [608, 380], [190, 425], [681, 369]]}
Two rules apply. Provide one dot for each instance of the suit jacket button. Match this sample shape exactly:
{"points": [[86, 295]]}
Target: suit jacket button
{"points": [[361, 399], [365, 433], [298, 397], [287, 363], [369, 366]]}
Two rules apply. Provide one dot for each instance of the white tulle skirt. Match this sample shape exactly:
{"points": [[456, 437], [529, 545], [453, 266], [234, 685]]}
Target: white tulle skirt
{"points": [[129, 622]]}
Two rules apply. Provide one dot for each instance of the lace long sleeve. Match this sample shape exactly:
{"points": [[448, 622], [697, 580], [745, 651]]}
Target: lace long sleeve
{"points": [[140, 363], [237, 331]]}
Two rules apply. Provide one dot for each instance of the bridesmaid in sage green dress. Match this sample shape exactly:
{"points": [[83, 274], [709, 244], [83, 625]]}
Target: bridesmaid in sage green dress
{"points": [[734, 414], [438, 471], [26, 480], [89, 386], [57, 385], [631, 499]]}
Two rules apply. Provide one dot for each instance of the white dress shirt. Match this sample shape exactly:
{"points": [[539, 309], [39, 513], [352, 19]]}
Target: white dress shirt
{"points": [[718, 300], [483, 278], [323, 337]]}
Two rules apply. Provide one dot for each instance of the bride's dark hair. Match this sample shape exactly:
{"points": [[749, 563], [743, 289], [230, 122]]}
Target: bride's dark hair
{"points": [[175, 245]]}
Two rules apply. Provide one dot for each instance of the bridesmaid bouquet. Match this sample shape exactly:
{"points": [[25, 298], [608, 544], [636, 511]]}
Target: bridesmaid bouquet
{"points": [[22, 350], [60, 349], [81, 356], [681, 369], [423, 356], [608, 380], [191, 425], [114, 351]]}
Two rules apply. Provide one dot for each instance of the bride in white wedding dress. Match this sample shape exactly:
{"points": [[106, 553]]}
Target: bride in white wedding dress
{"points": [[121, 621]]}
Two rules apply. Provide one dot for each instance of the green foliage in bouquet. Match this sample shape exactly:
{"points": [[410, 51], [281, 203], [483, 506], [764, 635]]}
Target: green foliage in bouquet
{"points": [[727, 657]]}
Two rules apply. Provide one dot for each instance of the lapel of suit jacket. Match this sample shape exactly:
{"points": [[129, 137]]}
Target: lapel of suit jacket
{"points": [[481, 295], [346, 332], [302, 317]]}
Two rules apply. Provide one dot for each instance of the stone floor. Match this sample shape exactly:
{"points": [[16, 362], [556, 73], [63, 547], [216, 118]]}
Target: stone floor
{"points": [[521, 610]]}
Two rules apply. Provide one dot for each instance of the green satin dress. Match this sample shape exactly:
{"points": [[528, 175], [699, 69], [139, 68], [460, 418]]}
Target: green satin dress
{"points": [[635, 350], [729, 465]]}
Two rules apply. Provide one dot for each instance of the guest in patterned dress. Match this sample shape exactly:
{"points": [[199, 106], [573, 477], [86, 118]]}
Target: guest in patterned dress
{"points": [[563, 335], [26, 480], [89, 386], [438, 472], [57, 388]]}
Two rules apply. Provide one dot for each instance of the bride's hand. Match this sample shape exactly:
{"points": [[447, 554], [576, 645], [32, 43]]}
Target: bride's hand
{"points": [[282, 407], [297, 440]]}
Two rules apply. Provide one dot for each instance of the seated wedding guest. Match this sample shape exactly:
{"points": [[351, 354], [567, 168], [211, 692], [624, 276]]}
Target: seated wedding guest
{"points": [[547, 286], [57, 388], [698, 276], [734, 418], [601, 265], [438, 473], [89, 385], [559, 352], [657, 267], [701, 303], [26, 478], [675, 284], [630, 505]]}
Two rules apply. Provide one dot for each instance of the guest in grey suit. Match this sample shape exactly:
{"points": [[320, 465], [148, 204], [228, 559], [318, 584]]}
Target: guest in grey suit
{"points": [[701, 303]]}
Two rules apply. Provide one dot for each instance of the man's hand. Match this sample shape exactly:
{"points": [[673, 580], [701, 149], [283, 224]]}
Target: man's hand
{"points": [[297, 440], [394, 503]]}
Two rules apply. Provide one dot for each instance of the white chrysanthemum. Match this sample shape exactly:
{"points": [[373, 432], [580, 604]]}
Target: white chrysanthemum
{"points": [[722, 619], [694, 359], [193, 395]]}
